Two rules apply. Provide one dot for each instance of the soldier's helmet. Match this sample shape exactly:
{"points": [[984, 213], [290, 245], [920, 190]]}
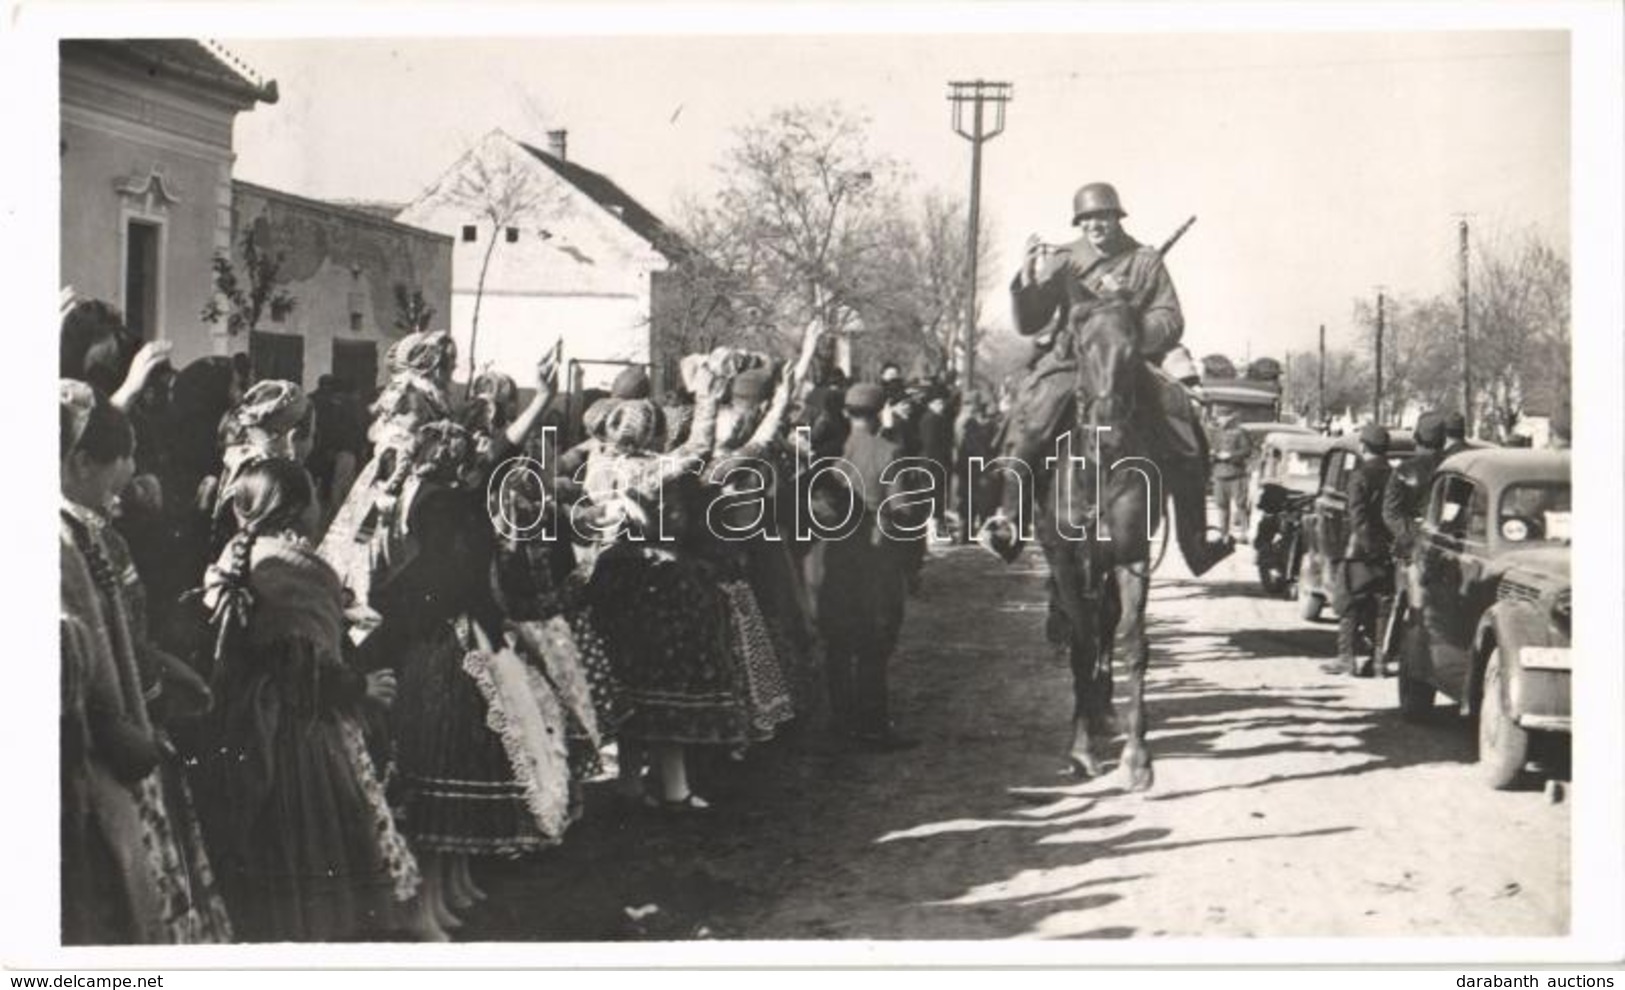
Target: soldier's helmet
{"points": [[1096, 197]]}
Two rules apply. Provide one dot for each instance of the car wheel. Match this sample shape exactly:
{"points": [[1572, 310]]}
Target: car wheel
{"points": [[1416, 696], [1503, 746], [1309, 606]]}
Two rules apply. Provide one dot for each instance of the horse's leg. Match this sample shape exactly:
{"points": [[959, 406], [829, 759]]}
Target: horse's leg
{"points": [[1133, 581]]}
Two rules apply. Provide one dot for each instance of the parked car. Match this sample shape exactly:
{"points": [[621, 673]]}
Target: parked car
{"points": [[1325, 528], [1487, 602], [1285, 478]]}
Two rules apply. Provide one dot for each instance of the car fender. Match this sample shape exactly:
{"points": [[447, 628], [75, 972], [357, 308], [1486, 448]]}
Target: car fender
{"points": [[1511, 626]]}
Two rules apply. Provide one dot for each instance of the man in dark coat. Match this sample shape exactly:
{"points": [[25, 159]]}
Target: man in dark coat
{"points": [[1366, 555], [1405, 496], [1105, 262], [1404, 499], [864, 589]]}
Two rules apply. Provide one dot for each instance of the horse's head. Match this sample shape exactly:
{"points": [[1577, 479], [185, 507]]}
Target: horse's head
{"points": [[1107, 336]]}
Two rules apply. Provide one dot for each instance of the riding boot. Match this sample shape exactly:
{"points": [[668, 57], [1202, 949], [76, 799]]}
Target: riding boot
{"points": [[1188, 490], [1170, 422]]}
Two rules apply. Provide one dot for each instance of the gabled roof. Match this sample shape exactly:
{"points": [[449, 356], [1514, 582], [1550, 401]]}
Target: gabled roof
{"points": [[208, 63], [602, 190]]}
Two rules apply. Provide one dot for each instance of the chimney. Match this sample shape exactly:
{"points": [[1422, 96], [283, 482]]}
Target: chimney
{"points": [[558, 143]]}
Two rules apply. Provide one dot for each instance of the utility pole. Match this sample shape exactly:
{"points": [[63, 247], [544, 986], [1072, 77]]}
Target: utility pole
{"points": [[1320, 395], [977, 94], [1286, 387], [1377, 398], [1466, 350]]}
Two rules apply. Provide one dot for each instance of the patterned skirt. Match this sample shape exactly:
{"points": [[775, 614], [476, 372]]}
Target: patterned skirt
{"points": [[459, 790], [667, 627], [767, 692], [191, 909]]}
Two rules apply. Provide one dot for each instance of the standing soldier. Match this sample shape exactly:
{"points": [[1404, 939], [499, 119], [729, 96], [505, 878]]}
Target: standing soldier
{"points": [[1106, 263], [1365, 561], [1232, 449], [1404, 499], [864, 589]]}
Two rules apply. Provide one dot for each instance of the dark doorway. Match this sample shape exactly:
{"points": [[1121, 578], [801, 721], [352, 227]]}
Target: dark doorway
{"points": [[356, 363], [277, 355], [141, 264]]}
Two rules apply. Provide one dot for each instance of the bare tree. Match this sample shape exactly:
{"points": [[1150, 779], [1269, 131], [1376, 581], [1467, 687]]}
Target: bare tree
{"points": [[500, 191], [1348, 383], [811, 221], [1520, 326], [1520, 342], [801, 221]]}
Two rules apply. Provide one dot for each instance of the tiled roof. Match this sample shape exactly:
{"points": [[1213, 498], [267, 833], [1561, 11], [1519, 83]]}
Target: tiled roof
{"points": [[205, 62], [335, 208], [381, 210], [603, 190]]}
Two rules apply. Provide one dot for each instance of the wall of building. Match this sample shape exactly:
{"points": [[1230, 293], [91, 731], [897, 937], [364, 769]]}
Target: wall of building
{"points": [[515, 331], [132, 147], [573, 269], [340, 267]]}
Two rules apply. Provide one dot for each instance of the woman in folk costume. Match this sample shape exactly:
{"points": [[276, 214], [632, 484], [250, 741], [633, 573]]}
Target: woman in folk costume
{"points": [[740, 482], [761, 579], [134, 867], [663, 616], [275, 419], [541, 594], [365, 530], [304, 841], [480, 745]]}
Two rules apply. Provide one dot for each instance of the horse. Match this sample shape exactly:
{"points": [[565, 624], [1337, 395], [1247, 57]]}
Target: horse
{"points": [[1094, 520]]}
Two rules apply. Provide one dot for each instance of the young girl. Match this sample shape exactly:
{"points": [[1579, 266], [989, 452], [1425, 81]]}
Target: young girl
{"points": [[306, 846], [134, 869]]}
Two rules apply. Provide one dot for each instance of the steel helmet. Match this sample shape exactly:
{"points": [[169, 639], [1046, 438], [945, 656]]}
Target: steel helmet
{"points": [[1096, 197]]}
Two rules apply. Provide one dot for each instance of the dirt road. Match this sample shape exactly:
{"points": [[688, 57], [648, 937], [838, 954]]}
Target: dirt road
{"points": [[1288, 802]]}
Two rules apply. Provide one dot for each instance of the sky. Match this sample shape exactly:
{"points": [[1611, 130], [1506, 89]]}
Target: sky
{"points": [[1320, 166]]}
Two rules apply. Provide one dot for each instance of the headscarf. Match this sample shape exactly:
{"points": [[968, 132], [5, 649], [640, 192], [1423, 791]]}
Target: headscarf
{"points": [[272, 410], [632, 424], [426, 352], [262, 426], [596, 417], [493, 402]]}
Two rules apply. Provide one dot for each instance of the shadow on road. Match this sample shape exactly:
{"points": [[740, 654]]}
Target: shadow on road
{"points": [[974, 835]]}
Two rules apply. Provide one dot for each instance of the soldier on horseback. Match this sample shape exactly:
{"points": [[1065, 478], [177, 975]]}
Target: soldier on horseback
{"points": [[1104, 264]]}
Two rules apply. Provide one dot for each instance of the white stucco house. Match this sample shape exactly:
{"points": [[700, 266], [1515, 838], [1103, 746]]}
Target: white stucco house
{"points": [[585, 263]]}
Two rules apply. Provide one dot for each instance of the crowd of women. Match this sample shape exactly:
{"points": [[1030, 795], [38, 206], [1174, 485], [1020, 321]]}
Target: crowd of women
{"points": [[294, 709]]}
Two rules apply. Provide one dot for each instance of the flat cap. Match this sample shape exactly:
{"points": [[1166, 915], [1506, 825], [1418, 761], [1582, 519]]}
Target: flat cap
{"points": [[631, 383], [753, 385], [1430, 430], [1375, 437], [865, 397]]}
